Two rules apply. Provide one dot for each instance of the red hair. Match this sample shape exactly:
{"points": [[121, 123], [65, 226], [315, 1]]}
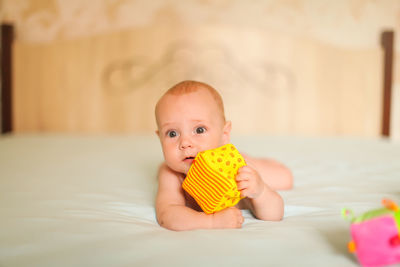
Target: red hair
{"points": [[187, 87]]}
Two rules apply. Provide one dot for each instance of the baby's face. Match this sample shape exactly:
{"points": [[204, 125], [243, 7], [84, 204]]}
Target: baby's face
{"points": [[187, 125]]}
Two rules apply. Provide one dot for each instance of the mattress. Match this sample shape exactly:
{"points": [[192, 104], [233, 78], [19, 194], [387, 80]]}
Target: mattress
{"points": [[68, 200]]}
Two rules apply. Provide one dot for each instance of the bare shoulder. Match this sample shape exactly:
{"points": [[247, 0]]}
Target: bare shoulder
{"points": [[170, 189], [170, 192], [274, 173], [169, 186], [167, 175]]}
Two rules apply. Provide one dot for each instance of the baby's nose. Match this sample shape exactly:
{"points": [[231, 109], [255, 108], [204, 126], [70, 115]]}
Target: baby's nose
{"points": [[185, 143]]}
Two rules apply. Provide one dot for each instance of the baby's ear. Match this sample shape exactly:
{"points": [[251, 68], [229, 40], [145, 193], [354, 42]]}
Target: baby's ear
{"points": [[226, 138]]}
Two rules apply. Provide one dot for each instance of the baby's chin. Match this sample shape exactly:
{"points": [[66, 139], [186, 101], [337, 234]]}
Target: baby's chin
{"points": [[185, 171], [183, 168]]}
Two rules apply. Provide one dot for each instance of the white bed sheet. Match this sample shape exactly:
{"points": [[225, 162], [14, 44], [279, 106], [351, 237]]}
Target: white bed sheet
{"points": [[89, 201]]}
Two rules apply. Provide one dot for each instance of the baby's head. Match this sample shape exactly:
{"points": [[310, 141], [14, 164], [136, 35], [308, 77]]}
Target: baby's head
{"points": [[187, 87], [190, 119]]}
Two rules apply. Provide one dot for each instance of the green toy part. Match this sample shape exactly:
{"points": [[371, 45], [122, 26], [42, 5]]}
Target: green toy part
{"points": [[390, 208]]}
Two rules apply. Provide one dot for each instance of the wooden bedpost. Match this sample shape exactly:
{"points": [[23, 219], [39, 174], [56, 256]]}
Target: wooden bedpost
{"points": [[7, 35], [387, 42]]}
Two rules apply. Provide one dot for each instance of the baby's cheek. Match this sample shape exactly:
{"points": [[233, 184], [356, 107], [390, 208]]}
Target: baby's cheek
{"points": [[172, 162]]}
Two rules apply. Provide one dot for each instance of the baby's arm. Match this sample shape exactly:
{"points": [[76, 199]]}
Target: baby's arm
{"points": [[173, 214], [276, 175], [257, 182], [265, 203]]}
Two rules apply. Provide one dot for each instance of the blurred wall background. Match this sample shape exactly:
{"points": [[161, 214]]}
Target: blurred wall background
{"points": [[230, 44]]}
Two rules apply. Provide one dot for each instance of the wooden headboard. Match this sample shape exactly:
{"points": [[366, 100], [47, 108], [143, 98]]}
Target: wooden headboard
{"points": [[271, 82], [7, 36], [387, 41]]}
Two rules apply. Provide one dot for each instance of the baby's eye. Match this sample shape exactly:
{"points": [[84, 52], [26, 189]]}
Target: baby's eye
{"points": [[172, 134], [200, 130]]}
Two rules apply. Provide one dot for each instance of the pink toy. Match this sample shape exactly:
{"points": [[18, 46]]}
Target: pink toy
{"points": [[376, 235]]}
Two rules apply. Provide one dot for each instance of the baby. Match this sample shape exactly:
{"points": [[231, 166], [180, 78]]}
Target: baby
{"points": [[190, 119]]}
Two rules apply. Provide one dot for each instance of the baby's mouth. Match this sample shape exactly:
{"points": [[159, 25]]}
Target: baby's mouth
{"points": [[188, 159]]}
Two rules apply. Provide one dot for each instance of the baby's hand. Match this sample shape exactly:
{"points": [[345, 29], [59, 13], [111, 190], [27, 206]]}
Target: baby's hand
{"points": [[228, 218], [249, 182]]}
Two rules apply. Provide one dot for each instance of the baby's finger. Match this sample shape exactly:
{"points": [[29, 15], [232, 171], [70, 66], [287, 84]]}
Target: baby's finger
{"points": [[241, 177], [241, 219], [244, 192], [242, 185], [245, 169]]}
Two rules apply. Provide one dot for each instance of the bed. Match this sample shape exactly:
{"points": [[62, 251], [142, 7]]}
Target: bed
{"points": [[89, 201], [78, 175]]}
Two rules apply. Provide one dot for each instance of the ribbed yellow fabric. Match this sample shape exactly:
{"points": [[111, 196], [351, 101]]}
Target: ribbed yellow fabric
{"points": [[211, 178]]}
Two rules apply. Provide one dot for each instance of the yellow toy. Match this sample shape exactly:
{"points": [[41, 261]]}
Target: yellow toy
{"points": [[211, 178]]}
